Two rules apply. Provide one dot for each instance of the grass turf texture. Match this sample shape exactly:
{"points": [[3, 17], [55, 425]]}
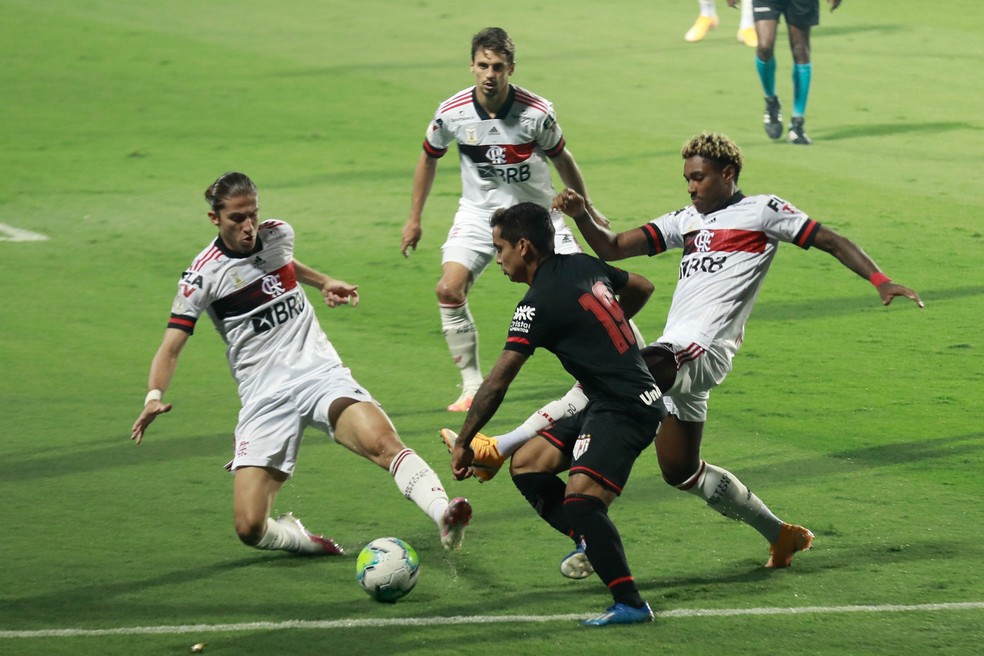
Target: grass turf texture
{"points": [[861, 422]]}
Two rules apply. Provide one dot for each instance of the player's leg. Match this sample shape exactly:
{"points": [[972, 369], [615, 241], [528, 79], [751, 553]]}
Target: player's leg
{"points": [[608, 445], [707, 20], [746, 27], [491, 452], [678, 451], [799, 43], [766, 23], [363, 427], [254, 490], [268, 438], [460, 331], [534, 470]]}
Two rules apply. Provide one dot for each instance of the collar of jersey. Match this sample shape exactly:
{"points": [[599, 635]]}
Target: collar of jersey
{"points": [[228, 252], [503, 111]]}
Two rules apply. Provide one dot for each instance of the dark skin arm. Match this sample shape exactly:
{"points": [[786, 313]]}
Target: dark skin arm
{"points": [[851, 256]]}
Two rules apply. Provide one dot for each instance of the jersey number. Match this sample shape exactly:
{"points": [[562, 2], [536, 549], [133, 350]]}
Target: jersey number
{"points": [[604, 306]]}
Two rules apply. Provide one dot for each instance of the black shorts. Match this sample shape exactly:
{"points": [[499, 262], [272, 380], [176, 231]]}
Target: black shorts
{"points": [[803, 14], [604, 440]]}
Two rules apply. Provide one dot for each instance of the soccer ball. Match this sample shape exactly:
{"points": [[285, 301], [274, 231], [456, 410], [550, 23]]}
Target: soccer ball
{"points": [[387, 569]]}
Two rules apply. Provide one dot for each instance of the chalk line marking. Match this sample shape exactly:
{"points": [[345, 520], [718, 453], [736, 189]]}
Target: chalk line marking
{"points": [[10, 233], [475, 619]]}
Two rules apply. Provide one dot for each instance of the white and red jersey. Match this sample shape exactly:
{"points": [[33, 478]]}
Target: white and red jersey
{"points": [[259, 309], [503, 159], [726, 255]]}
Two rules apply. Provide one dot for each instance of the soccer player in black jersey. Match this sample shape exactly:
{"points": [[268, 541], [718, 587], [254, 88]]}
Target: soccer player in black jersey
{"points": [[571, 310]]}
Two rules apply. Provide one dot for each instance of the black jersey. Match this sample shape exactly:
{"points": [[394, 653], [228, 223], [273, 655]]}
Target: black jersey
{"points": [[571, 310]]}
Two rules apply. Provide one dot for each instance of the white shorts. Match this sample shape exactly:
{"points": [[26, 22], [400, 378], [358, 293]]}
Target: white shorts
{"points": [[699, 371], [469, 241], [270, 428]]}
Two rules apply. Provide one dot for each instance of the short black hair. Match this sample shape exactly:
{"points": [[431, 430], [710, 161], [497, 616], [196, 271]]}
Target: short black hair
{"points": [[526, 220]]}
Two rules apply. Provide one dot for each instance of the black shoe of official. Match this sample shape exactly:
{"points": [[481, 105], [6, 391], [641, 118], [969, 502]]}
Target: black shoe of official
{"points": [[773, 117], [796, 133]]}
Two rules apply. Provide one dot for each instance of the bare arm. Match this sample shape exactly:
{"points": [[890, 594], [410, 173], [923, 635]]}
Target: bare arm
{"points": [[850, 255], [162, 369], [634, 295], [334, 291], [571, 176], [606, 243], [423, 180], [483, 408]]}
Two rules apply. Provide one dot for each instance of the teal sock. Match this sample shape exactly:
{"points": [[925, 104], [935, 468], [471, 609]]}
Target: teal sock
{"points": [[767, 74], [801, 87]]}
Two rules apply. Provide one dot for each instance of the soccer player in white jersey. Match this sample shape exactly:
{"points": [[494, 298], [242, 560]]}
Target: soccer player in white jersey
{"points": [[729, 241], [289, 375], [505, 136]]}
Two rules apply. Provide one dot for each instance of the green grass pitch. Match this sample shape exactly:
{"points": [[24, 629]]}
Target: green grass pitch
{"points": [[859, 421]]}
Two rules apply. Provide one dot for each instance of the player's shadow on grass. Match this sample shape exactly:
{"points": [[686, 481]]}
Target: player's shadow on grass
{"points": [[893, 129], [114, 452]]}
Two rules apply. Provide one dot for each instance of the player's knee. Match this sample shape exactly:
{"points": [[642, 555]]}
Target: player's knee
{"points": [[250, 528], [764, 52], [450, 294]]}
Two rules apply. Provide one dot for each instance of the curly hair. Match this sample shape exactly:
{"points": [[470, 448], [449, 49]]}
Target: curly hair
{"points": [[716, 148]]}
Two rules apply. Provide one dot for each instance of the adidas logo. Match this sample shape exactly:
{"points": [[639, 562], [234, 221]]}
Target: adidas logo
{"points": [[493, 131]]}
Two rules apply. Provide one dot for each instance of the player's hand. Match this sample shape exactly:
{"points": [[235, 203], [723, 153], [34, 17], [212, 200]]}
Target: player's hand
{"points": [[461, 460], [411, 237], [888, 290], [570, 203], [339, 292], [149, 414]]}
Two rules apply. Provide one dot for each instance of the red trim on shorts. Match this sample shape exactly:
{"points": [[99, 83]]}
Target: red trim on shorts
{"points": [[595, 475]]}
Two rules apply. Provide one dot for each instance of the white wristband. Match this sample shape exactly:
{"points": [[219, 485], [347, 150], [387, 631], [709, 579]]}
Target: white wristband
{"points": [[153, 395]]}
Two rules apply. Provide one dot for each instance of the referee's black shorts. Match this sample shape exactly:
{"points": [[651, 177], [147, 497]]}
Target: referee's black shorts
{"points": [[803, 14]]}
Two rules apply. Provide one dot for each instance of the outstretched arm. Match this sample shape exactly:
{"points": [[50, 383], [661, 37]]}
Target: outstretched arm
{"points": [[162, 369], [571, 176], [850, 255], [334, 291], [606, 243], [423, 180], [483, 408]]}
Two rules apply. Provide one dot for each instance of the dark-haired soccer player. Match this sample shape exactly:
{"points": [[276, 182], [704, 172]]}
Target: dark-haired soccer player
{"points": [[289, 375], [729, 241], [570, 309]]}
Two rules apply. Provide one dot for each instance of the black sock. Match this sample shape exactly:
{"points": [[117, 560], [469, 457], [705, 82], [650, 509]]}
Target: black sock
{"points": [[545, 492], [588, 515]]}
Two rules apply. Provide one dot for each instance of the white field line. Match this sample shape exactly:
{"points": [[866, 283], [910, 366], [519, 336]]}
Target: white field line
{"points": [[470, 619], [10, 233]]}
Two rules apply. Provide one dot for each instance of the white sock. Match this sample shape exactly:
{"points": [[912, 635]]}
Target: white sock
{"points": [[279, 538], [419, 483], [707, 8], [747, 19], [461, 334], [727, 495], [570, 404]]}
